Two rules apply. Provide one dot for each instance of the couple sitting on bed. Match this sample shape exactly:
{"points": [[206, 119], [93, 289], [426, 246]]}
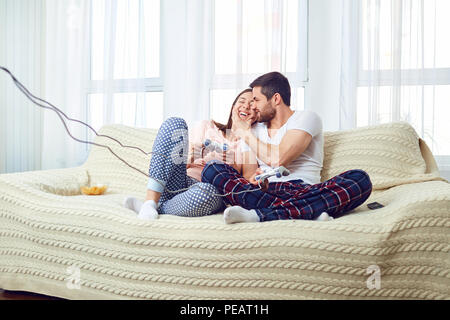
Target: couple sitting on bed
{"points": [[262, 133]]}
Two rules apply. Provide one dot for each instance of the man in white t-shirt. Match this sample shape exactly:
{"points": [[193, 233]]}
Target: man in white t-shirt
{"points": [[302, 134], [293, 139]]}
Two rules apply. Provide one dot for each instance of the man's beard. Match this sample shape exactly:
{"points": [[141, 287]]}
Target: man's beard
{"points": [[269, 113]]}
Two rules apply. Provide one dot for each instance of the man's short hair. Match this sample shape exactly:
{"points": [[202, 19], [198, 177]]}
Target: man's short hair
{"points": [[271, 83]]}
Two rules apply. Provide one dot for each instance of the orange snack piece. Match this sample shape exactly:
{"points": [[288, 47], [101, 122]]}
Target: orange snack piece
{"points": [[95, 190]]}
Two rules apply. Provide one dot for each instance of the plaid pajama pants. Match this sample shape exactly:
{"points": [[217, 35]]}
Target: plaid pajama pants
{"points": [[292, 199]]}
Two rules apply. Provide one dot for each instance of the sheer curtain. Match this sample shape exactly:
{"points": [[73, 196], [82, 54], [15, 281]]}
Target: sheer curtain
{"points": [[91, 59], [43, 43], [102, 67], [186, 44], [65, 69], [396, 67], [125, 84], [136, 62], [21, 51], [253, 37]]}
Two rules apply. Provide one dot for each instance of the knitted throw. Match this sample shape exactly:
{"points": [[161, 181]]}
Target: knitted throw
{"points": [[56, 241]]}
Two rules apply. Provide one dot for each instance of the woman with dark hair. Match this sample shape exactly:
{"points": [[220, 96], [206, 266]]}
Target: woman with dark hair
{"points": [[178, 158]]}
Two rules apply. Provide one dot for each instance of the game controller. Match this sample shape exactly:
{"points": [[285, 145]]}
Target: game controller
{"points": [[215, 146], [278, 172]]}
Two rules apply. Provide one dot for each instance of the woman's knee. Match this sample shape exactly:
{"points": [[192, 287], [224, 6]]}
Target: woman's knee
{"points": [[173, 133], [174, 123]]}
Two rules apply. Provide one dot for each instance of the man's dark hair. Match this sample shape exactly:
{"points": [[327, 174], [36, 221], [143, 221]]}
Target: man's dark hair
{"points": [[274, 82]]}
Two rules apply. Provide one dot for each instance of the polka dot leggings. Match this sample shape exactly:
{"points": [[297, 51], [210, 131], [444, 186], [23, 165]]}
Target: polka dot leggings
{"points": [[168, 168]]}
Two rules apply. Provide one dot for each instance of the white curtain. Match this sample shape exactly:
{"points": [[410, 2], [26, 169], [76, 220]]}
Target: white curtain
{"points": [[43, 43], [102, 59], [396, 67], [66, 74], [98, 75], [186, 43], [125, 81], [135, 62], [21, 52], [253, 37]]}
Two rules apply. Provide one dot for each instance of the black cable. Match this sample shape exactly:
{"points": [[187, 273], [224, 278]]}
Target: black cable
{"points": [[60, 114]]}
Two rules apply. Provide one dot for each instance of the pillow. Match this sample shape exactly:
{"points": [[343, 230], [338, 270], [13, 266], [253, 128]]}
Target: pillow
{"points": [[104, 168], [389, 153]]}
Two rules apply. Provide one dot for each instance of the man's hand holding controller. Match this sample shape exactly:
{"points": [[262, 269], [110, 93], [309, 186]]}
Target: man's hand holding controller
{"points": [[279, 172], [261, 177], [262, 184]]}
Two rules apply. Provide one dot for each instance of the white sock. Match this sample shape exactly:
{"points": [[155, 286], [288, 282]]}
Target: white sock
{"points": [[148, 210], [324, 217], [238, 214], [133, 203]]}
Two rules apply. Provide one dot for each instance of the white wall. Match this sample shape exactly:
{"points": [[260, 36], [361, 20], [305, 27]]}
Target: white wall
{"points": [[444, 173], [444, 167], [324, 61]]}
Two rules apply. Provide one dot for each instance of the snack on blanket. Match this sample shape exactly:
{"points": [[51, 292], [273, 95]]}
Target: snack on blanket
{"points": [[94, 190]]}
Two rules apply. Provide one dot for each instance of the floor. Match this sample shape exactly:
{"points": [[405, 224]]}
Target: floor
{"points": [[21, 295]]}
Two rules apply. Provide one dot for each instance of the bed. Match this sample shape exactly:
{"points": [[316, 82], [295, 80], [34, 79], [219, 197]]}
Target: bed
{"points": [[56, 241]]}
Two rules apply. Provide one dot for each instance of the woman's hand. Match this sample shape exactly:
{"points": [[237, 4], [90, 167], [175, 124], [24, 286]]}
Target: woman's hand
{"points": [[202, 159], [240, 126], [213, 155], [196, 149], [200, 162]]}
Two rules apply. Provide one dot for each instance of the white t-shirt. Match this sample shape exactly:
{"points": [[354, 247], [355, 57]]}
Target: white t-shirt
{"points": [[309, 164]]}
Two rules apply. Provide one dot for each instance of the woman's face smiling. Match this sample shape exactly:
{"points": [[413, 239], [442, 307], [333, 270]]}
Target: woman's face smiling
{"points": [[243, 106]]}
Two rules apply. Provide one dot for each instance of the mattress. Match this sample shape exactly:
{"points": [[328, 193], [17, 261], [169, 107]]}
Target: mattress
{"points": [[56, 241]]}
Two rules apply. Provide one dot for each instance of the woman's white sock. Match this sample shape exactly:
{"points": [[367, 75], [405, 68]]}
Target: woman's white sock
{"points": [[238, 214], [133, 203], [148, 210]]}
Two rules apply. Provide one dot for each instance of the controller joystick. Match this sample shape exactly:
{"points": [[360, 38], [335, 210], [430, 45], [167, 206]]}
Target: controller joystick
{"points": [[278, 172], [215, 146]]}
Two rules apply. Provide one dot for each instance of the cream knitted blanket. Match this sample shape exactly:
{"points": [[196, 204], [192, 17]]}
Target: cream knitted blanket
{"points": [[56, 241]]}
